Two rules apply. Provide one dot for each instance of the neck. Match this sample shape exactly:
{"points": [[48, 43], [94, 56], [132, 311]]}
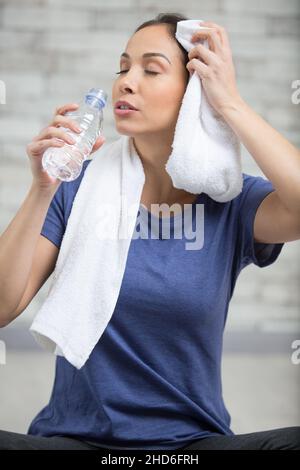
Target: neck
{"points": [[154, 156]]}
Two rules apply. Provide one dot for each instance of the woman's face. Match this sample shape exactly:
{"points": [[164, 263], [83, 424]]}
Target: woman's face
{"points": [[158, 96]]}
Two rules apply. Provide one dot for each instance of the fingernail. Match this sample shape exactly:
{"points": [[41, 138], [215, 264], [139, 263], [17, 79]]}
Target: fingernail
{"points": [[71, 140]]}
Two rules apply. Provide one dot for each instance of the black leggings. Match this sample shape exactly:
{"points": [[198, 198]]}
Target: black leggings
{"points": [[275, 439]]}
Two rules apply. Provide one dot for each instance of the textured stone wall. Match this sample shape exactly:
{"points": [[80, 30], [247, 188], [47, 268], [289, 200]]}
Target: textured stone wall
{"points": [[52, 51]]}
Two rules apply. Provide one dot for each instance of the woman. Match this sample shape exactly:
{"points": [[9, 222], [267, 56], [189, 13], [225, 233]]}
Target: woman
{"points": [[154, 379]]}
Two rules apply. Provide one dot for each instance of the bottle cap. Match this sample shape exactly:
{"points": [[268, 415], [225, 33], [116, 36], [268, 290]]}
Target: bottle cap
{"points": [[96, 97]]}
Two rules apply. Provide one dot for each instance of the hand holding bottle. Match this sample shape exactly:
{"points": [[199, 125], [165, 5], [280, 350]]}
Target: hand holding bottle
{"points": [[66, 163], [53, 136]]}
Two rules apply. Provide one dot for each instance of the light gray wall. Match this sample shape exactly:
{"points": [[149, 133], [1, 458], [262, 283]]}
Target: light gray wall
{"points": [[52, 51]]}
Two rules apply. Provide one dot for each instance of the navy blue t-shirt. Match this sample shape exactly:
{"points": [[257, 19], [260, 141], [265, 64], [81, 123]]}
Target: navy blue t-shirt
{"points": [[153, 381]]}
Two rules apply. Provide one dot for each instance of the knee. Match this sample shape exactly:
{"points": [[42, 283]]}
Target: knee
{"points": [[294, 437], [287, 438], [5, 440]]}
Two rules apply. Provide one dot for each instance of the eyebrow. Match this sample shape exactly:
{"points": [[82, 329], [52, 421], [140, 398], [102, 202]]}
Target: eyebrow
{"points": [[147, 54]]}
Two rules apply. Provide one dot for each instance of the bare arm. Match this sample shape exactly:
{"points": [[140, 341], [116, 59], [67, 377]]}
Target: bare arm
{"points": [[26, 260], [21, 249], [278, 217], [26, 257]]}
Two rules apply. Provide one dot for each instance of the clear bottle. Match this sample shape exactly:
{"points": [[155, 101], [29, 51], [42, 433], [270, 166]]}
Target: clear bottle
{"points": [[65, 163]]}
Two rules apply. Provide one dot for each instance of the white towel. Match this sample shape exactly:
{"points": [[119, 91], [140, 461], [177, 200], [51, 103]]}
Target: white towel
{"points": [[206, 153], [93, 253]]}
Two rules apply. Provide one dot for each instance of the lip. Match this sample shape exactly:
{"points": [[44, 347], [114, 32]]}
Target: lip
{"points": [[120, 102], [124, 112]]}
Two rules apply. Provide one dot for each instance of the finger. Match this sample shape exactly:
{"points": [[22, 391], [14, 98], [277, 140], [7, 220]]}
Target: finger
{"points": [[66, 122], [213, 28], [201, 53], [221, 31], [50, 132], [39, 147], [202, 69], [66, 107], [98, 143], [212, 37]]}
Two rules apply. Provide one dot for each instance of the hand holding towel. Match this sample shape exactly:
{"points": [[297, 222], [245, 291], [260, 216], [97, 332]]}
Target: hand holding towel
{"points": [[206, 152]]}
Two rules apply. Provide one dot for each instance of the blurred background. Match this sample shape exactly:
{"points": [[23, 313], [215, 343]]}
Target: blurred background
{"points": [[51, 52]]}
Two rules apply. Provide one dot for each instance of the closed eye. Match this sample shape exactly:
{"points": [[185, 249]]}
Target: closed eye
{"points": [[146, 71]]}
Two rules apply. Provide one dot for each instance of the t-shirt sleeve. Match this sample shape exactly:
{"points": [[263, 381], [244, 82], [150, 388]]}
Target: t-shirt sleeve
{"points": [[255, 189], [54, 224]]}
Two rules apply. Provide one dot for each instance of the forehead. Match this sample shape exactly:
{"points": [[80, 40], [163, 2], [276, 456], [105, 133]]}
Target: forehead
{"points": [[154, 38]]}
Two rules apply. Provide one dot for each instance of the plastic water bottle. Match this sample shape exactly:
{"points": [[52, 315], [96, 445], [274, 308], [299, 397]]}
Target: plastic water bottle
{"points": [[65, 163]]}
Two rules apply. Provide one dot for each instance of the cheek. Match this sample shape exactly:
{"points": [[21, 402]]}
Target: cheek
{"points": [[171, 100], [168, 93]]}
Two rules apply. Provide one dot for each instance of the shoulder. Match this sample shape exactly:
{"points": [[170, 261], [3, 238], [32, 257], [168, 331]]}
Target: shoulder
{"points": [[254, 181], [254, 190]]}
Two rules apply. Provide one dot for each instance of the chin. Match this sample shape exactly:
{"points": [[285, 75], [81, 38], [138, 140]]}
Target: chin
{"points": [[121, 129], [123, 132]]}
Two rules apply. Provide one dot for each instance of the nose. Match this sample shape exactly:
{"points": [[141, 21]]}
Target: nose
{"points": [[126, 83], [126, 89]]}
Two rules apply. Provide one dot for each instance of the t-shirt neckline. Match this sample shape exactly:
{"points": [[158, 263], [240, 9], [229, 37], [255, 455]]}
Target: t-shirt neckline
{"points": [[185, 210]]}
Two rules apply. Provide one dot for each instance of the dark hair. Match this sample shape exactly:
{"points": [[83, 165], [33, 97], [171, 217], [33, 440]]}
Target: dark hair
{"points": [[170, 20]]}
